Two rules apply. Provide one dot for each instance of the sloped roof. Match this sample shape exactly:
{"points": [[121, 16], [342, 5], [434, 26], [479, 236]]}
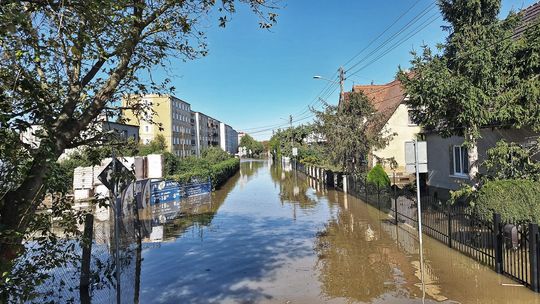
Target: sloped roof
{"points": [[385, 98], [529, 16]]}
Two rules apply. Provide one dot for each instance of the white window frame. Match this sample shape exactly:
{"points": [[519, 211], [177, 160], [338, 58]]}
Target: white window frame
{"points": [[463, 161]]}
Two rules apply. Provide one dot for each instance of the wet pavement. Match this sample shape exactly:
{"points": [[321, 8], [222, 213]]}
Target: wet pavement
{"points": [[277, 237]]}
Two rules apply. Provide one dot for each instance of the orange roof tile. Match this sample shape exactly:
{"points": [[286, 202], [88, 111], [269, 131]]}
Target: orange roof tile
{"points": [[529, 16], [385, 98]]}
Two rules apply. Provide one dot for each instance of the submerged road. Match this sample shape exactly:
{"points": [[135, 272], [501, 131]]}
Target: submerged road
{"points": [[277, 237]]}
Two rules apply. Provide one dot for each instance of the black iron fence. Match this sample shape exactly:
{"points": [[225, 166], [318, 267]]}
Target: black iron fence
{"points": [[510, 248]]}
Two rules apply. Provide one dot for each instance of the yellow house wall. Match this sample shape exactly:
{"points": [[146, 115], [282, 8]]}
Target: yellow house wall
{"points": [[162, 114], [399, 124]]}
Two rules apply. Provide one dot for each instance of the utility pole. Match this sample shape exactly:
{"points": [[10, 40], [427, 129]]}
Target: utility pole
{"points": [[341, 83], [291, 131]]}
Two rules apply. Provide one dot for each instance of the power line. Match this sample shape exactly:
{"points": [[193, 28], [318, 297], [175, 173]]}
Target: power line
{"points": [[330, 87], [417, 18], [413, 33], [382, 33]]}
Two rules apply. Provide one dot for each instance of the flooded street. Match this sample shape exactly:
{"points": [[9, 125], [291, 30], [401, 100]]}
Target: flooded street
{"points": [[277, 237]]}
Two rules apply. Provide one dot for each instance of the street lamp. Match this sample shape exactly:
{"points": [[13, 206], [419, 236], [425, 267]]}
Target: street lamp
{"points": [[341, 81], [322, 78]]}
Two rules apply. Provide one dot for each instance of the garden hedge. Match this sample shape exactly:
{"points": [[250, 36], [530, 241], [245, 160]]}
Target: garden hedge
{"points": [[515, 200]]}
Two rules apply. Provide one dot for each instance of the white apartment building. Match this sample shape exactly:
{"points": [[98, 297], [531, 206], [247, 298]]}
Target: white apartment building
{"points": [[228, 139]]}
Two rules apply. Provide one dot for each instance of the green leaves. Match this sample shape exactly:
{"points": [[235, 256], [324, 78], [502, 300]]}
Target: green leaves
{"points": [[482, 76], [250, 143], [351, 131]]}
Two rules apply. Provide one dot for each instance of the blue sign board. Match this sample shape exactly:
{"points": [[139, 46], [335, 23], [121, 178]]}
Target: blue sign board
{"points": [[189, 190], [167, 191], [164, 192]]}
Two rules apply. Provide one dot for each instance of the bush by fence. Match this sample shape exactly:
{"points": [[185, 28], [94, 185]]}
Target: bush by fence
{"points": [[514, 200]]}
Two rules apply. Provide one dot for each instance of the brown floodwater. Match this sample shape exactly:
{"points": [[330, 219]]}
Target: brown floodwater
{"points": [[271, 236]]}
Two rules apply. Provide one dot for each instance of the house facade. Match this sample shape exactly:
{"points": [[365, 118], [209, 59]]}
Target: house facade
{"points": [[448, 162], [390, 101]]}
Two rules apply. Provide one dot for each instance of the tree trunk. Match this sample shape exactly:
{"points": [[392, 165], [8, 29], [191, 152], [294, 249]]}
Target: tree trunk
{"points": [[19, 205], [472, 153]]}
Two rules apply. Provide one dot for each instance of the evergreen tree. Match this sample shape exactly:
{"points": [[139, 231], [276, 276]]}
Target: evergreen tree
{"points": [[482, 76], [351, 131]]}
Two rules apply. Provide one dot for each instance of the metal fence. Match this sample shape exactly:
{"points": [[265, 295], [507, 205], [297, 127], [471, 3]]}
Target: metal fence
{"points": [[510, 248], [93, 274]]}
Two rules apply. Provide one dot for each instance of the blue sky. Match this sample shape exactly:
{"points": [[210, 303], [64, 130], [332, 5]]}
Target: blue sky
{"points": [[254, 78]]}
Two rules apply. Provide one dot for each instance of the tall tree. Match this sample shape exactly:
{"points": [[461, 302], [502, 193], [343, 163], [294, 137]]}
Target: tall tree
{"points": [[351, 130], [482, 76], [252, 145], [64, 62]]}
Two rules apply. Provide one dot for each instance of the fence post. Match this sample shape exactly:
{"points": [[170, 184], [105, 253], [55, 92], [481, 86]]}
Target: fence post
{"points": [[533, 255], [395, 209], [378, 196], [449, 210], [86, 256], [365, 187], [497, 242]]}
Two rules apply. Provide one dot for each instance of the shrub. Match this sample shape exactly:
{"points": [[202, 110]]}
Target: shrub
{"points": [[378, 177], [192, 169], [514, 200], [215, 155], [220, 173]]}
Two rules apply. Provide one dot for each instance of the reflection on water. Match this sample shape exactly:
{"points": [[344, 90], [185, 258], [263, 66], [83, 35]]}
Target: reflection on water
{"points": [[274, 236]]}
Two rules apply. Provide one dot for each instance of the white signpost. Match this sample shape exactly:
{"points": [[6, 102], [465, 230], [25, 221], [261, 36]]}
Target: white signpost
{"points": [[416, 162]]}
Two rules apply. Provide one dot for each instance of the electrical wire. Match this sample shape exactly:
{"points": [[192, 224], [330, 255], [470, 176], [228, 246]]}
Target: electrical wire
{"points": [[382, 33], [411, 34], [394, 36]]}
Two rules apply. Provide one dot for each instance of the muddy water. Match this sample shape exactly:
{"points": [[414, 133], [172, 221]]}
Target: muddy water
{"points": [[277, 237]]}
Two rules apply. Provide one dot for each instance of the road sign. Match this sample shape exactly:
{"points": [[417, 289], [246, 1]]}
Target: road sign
{"points": [[295, 151], [115, 170], [410, 157]]}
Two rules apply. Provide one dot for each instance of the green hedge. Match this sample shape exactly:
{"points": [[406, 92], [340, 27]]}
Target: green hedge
{"points": [[218, 173], [514, 200]]}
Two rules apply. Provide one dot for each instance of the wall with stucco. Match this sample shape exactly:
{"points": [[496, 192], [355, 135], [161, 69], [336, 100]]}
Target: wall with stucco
{"points": [[398, 124]]}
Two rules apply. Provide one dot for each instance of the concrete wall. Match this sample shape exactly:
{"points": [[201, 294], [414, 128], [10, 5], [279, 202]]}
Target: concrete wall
{"points": [[440, 166], [398, 123]]}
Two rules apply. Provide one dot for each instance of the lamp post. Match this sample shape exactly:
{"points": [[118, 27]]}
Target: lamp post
{"points": [[341, 81]]}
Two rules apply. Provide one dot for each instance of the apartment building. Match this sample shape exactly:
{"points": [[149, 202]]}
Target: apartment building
{"points": [[206, 132], [229, 138], [166, 115]]}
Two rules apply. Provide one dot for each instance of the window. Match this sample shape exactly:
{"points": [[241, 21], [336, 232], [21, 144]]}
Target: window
{"points": [[461, 161]]}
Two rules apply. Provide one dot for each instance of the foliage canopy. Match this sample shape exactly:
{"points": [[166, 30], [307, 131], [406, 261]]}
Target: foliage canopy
{"points": [[482, 76], [351, 130]]}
